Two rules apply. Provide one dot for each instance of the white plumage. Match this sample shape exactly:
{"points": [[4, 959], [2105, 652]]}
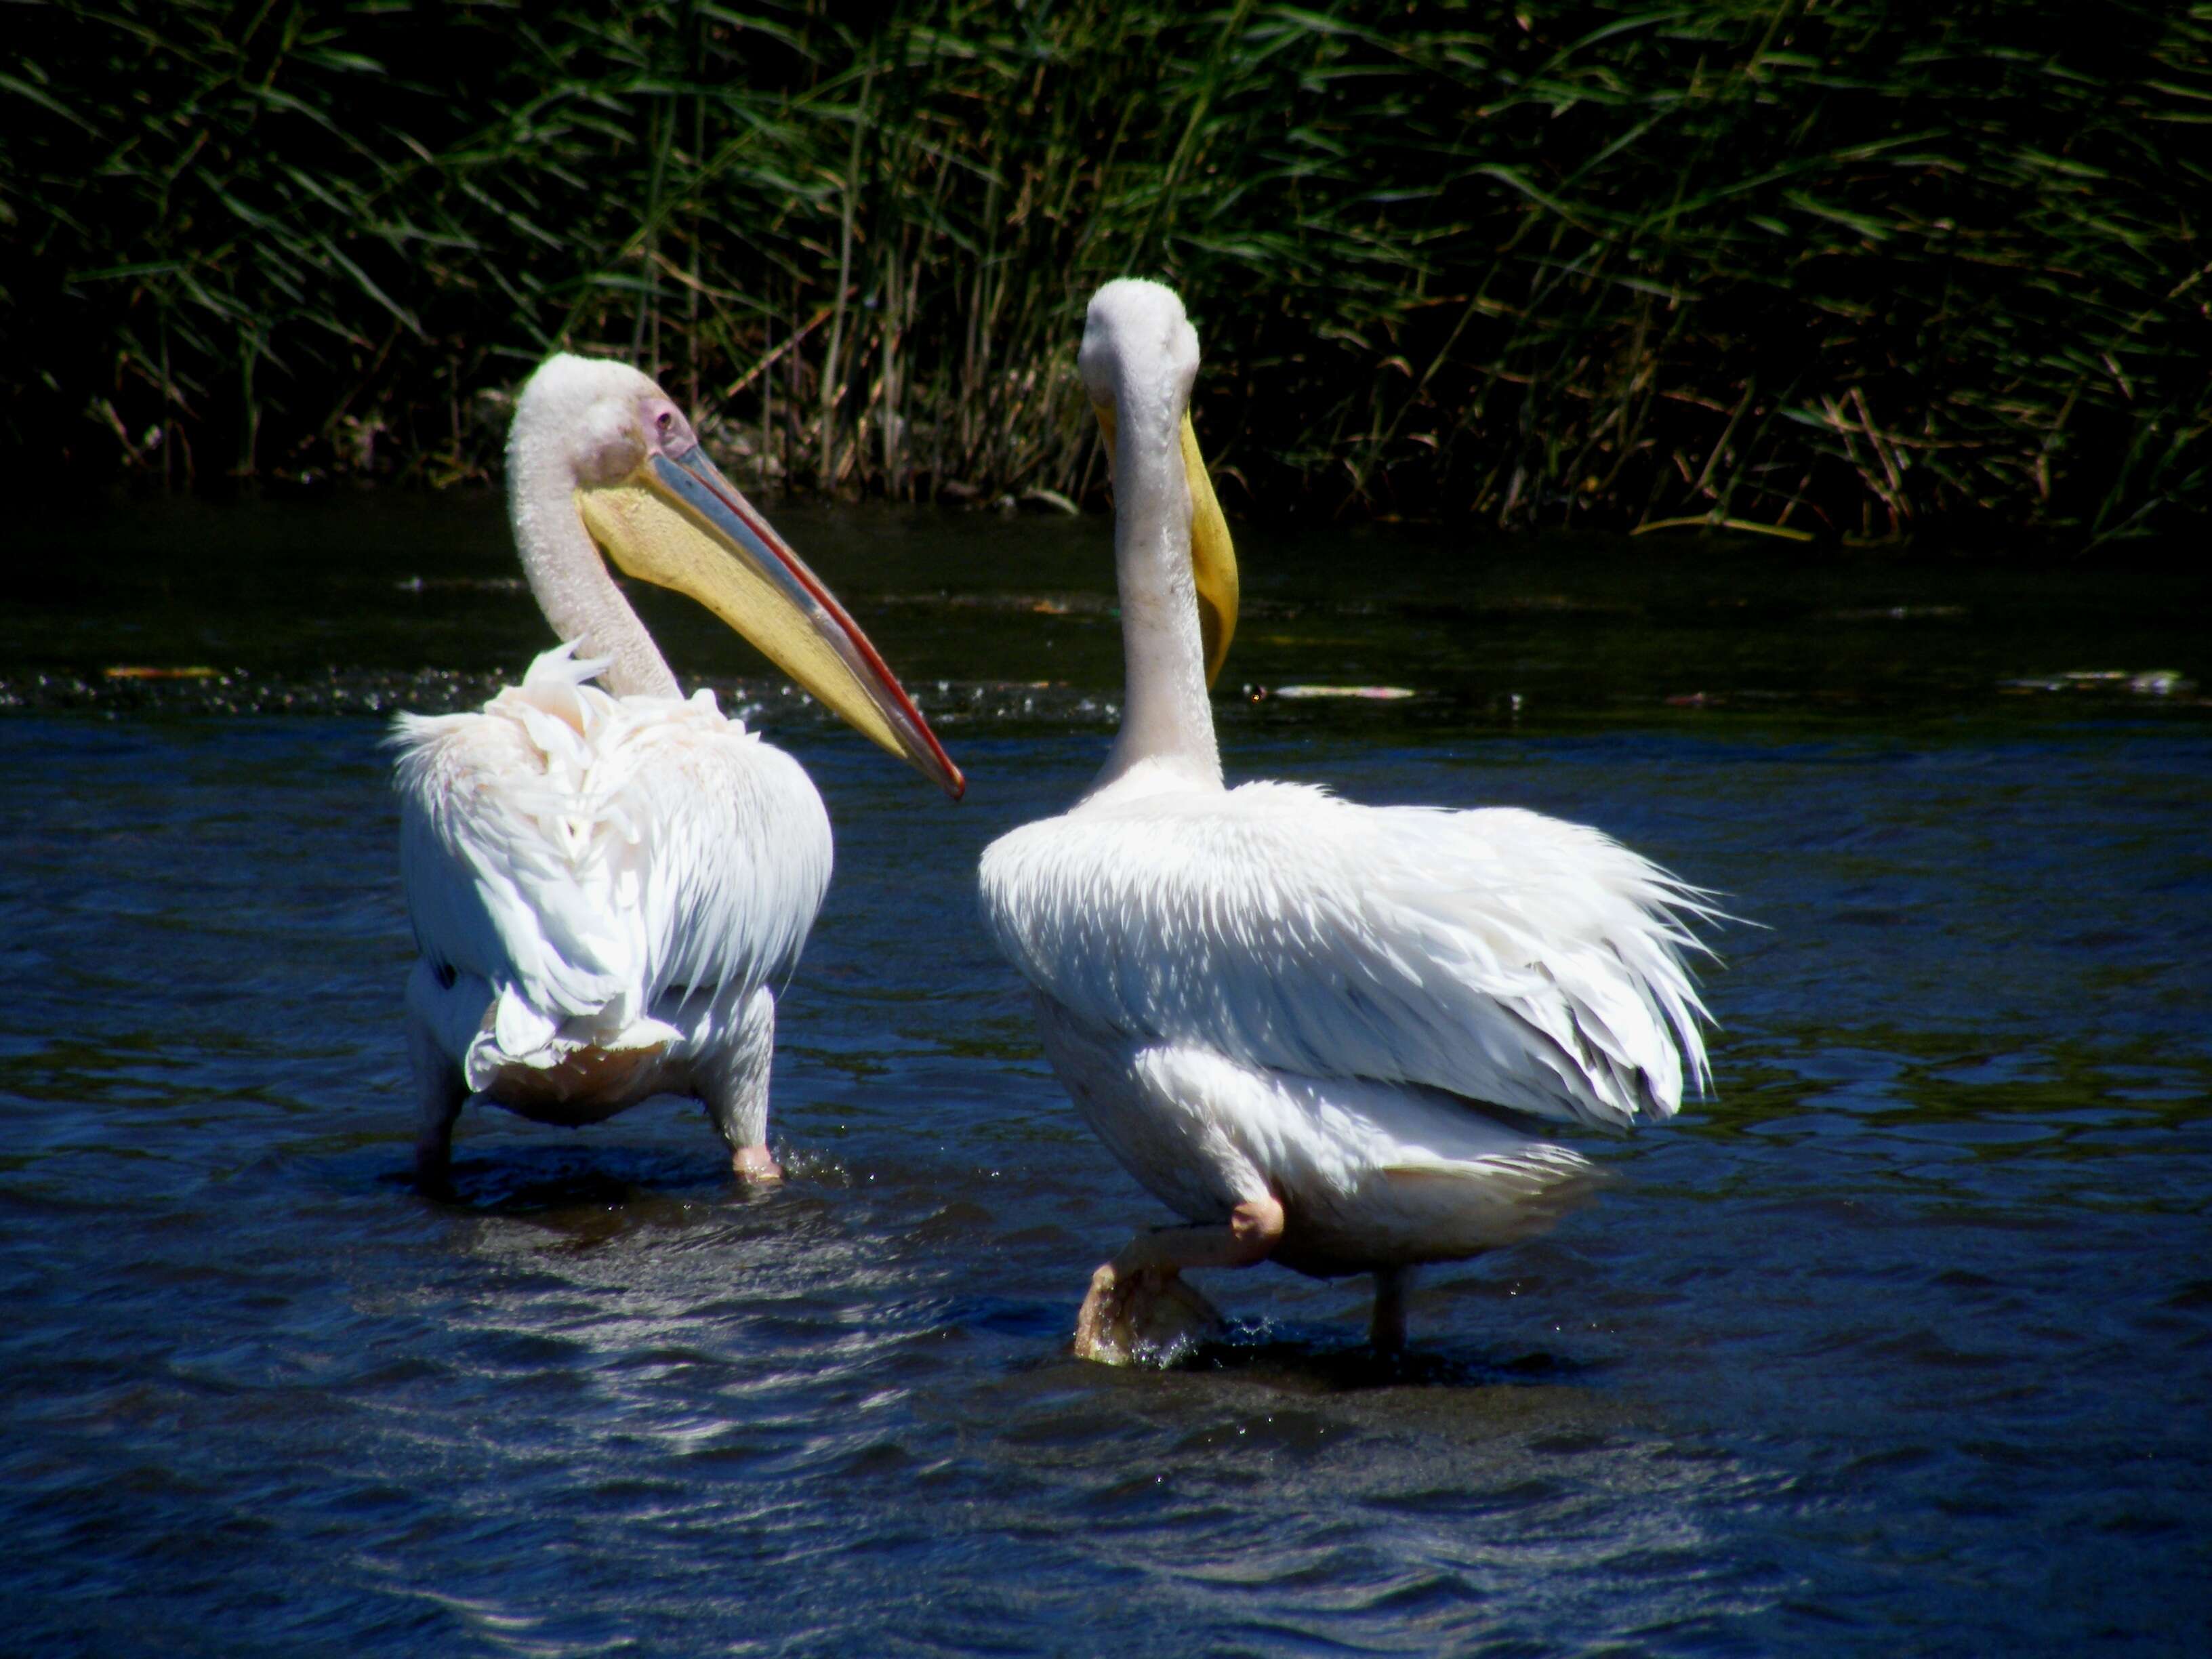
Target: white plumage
{"points": [[597, 873], [1510, 957], [606, 889], [1321, 1032]]}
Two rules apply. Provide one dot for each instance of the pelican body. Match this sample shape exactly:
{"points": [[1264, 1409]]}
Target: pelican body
{"points": [[1324, 1034], [608, 882]]}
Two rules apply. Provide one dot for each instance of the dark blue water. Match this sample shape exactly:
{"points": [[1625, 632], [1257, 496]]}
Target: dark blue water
{"points": [[1903, 1344]]}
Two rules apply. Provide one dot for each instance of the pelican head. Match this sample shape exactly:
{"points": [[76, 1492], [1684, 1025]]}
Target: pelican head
{"points": [[1137, 341], [599, 451], [1139, 359]]}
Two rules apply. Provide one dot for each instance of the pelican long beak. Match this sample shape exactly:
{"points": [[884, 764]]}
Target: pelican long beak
{"points": [[1212, 558], [678, 522]]}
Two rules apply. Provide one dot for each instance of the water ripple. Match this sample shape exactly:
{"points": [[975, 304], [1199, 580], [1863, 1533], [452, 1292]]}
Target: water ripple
{"points": [[1885, 1339]]}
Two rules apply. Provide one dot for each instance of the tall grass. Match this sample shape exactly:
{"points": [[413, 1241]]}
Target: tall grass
{"points": [[1813, 268]]}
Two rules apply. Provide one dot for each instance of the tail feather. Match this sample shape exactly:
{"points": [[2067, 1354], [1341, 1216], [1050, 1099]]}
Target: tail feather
{"points": [[517, 1036]]}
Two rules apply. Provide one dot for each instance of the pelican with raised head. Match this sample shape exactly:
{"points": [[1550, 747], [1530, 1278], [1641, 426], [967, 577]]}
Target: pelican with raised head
{"points": [[1322, 1034], [608, 886]]}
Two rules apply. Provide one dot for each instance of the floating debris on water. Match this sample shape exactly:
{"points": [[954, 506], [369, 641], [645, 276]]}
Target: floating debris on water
{"points": [[1901, 613], [1066, 604], [2148, 682], [462, 585], [1361, 693]]}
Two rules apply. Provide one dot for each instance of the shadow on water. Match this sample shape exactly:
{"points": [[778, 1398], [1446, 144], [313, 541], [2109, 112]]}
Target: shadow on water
{"points": [[550, 1183], [1298, 1362], [589, 1196]]}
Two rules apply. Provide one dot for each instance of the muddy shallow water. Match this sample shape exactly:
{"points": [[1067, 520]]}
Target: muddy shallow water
{"points": [[1901, 1343]]}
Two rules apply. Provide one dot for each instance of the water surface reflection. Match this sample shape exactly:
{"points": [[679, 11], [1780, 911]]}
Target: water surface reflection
{"points": [[1894, 1343]]}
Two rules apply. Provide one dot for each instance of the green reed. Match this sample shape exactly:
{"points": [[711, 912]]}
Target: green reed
{"points": [[1810, 269]]}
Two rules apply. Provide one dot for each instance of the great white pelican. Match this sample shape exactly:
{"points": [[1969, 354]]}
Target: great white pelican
{"points": [[1322, 1034], [609, 885]]}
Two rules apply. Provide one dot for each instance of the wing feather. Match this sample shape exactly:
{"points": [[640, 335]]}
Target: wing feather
{"points": [[1501, 955], [582, 853]]}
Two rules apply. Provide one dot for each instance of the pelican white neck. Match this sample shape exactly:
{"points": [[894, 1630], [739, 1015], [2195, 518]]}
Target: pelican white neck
{"points": [[578, 422], [1140, 356]]}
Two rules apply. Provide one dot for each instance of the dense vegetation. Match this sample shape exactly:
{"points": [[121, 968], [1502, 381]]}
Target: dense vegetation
{"points": [[1838, 268]]}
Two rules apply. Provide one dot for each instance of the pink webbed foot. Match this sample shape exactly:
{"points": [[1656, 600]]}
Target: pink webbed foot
{"points": [[1140, 1308], [754, 1165]]}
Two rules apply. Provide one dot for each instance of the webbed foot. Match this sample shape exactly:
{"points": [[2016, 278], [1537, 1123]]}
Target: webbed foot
{"points": [[1150, 1315], [754, 1165]]}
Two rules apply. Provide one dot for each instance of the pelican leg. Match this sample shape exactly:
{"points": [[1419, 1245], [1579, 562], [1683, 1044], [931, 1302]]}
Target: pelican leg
{"points": [[439, 1093], [1387, 1331], [733, 1084], [1139, 1301]]}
